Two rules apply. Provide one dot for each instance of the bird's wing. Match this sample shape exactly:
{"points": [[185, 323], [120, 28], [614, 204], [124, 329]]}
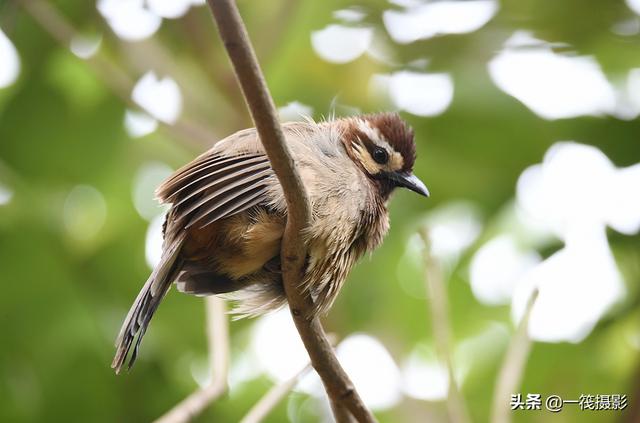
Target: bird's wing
{"points": [[216, 185], [233, 176]]}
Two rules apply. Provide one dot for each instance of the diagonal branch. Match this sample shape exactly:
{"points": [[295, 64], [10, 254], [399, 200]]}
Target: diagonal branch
{"points": [[236, 40], [262, 408], [277, 393], [513, 366], [218, 340], [442, 329]]}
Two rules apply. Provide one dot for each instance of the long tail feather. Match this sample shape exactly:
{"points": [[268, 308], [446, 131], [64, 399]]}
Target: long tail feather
{"points": [[145, 305]]}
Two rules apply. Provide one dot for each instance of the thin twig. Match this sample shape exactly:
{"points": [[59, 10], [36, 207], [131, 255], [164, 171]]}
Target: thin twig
{"points": [[513, 366], [272, 398], [218, 340], [236, 41], [441, 330], [59, 28]]}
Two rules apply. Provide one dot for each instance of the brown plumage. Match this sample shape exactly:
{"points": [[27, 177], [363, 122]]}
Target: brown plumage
{"points": [[222, 234]]}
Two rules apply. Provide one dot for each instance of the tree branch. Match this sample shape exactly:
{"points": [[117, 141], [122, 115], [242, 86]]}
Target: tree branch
{"points": [[513, 367], [218, 344], [236, 41], [441, 329], [271, 399], [268, 402]]}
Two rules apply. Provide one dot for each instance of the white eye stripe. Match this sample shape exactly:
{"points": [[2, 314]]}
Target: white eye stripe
{"points": [[374, 135], [357, 146], [395, 160]]}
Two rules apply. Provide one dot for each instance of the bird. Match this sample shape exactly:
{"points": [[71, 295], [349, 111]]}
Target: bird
{"points": [[223, 231]]}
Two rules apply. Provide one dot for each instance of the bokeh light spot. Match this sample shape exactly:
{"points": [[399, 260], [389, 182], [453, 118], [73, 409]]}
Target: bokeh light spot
{"points": [[85, 46], [427, 20], [295, 111], [153, 241], [85, 211], [421, 94], [138, 124], [6, 194], [131, 20], [453, 227], [496, 268], [552, 85], [424, 377], [147, 179], [341, 44], [277, 347], [10, 68], [161, 98], [359, 354]]}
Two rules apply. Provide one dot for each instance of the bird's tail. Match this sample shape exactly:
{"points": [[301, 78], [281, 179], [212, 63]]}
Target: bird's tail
{"points": [[146, 303]]}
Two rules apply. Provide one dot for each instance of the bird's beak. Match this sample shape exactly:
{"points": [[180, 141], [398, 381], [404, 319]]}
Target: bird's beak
{"points": [[410, 181]]}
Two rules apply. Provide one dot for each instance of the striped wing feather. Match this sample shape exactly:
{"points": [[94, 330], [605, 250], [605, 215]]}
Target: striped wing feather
{"points": [[215, 186]]}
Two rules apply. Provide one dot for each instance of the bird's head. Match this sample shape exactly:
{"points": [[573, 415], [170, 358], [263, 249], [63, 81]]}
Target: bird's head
{"points": [[382, 145]]}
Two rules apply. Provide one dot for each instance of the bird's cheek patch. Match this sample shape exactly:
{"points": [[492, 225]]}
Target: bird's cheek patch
{"points": [[365, 159], [369, 164], [396, 161]]}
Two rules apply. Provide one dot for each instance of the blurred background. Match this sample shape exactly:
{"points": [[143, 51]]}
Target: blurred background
{"points": [[525, 113]]}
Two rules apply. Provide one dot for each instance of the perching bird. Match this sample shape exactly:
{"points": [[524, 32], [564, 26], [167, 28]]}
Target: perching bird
{"points": [[223, 231]]}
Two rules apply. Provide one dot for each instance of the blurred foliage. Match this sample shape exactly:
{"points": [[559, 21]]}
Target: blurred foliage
{"points": [[63, 296]]}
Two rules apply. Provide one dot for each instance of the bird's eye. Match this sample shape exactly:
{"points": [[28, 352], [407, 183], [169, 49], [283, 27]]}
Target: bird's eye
{"points": [[380, 155]]}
